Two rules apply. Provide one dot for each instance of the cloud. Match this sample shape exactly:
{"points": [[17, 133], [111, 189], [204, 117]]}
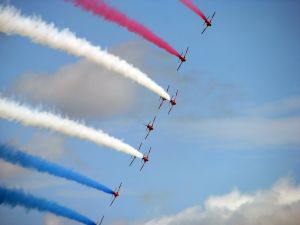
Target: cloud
{"points": [[84, 89], [281, 107], [231, 201], [273, 125], [51, 219], [275, 206], [80, 89], [47, 145], [249, 132]]}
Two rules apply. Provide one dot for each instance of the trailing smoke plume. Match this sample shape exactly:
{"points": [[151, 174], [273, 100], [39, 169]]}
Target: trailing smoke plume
{"points": [[12, 22], [16, 197], [190, 5], [14, 111], [16, 157], [100, 8]]}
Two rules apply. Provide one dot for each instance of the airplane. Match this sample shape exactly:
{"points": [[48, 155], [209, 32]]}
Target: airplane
{"points": [[115, 194], [207, 22], [133, 157], [173, 101], [150, 127], [145, 159], [182, 58], [100, 222], [162, 99]]}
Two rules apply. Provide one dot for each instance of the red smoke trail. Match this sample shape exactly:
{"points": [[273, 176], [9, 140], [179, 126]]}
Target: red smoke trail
{"points": [[100, 8], [193, 7]]}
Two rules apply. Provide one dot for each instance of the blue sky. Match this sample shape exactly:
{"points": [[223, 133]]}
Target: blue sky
{"points": [[236, 123]]}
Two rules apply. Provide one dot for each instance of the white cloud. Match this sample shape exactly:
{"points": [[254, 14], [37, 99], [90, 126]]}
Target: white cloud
{"points": [[279, 107], [249, 132], [287, 192], [231, 201], [272, 125], [80, 89], [51, 219], [276, 206]]}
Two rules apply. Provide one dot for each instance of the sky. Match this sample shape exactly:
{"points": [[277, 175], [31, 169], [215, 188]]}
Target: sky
{"points": [[230, 147]]}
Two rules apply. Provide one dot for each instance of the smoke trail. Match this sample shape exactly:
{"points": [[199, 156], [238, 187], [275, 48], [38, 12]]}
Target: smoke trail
{"points": [[100, 8], [193, 7], [12, 22], [16, 197], [10, 110], [26, 160]]}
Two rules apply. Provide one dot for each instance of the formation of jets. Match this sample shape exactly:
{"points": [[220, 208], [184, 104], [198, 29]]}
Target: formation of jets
{"points": [[207, 23], [150, 126], [172, 103]]}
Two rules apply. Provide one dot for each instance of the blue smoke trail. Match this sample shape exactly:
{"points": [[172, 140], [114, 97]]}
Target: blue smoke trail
{"points": [[15, 197], [26, 160]]}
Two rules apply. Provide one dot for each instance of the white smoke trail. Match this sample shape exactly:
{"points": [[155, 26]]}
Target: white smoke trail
{"points": [[14, 111], [12, 22]]}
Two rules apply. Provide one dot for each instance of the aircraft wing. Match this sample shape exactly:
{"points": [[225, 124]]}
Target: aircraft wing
{"points": [[147, 134], [204, 30], [213, 15], [160, 105], [186, 51], [142, 166], [132, 160], [100, 222], [153, 120], [170, 109], [112, 201], [179, 66]]}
